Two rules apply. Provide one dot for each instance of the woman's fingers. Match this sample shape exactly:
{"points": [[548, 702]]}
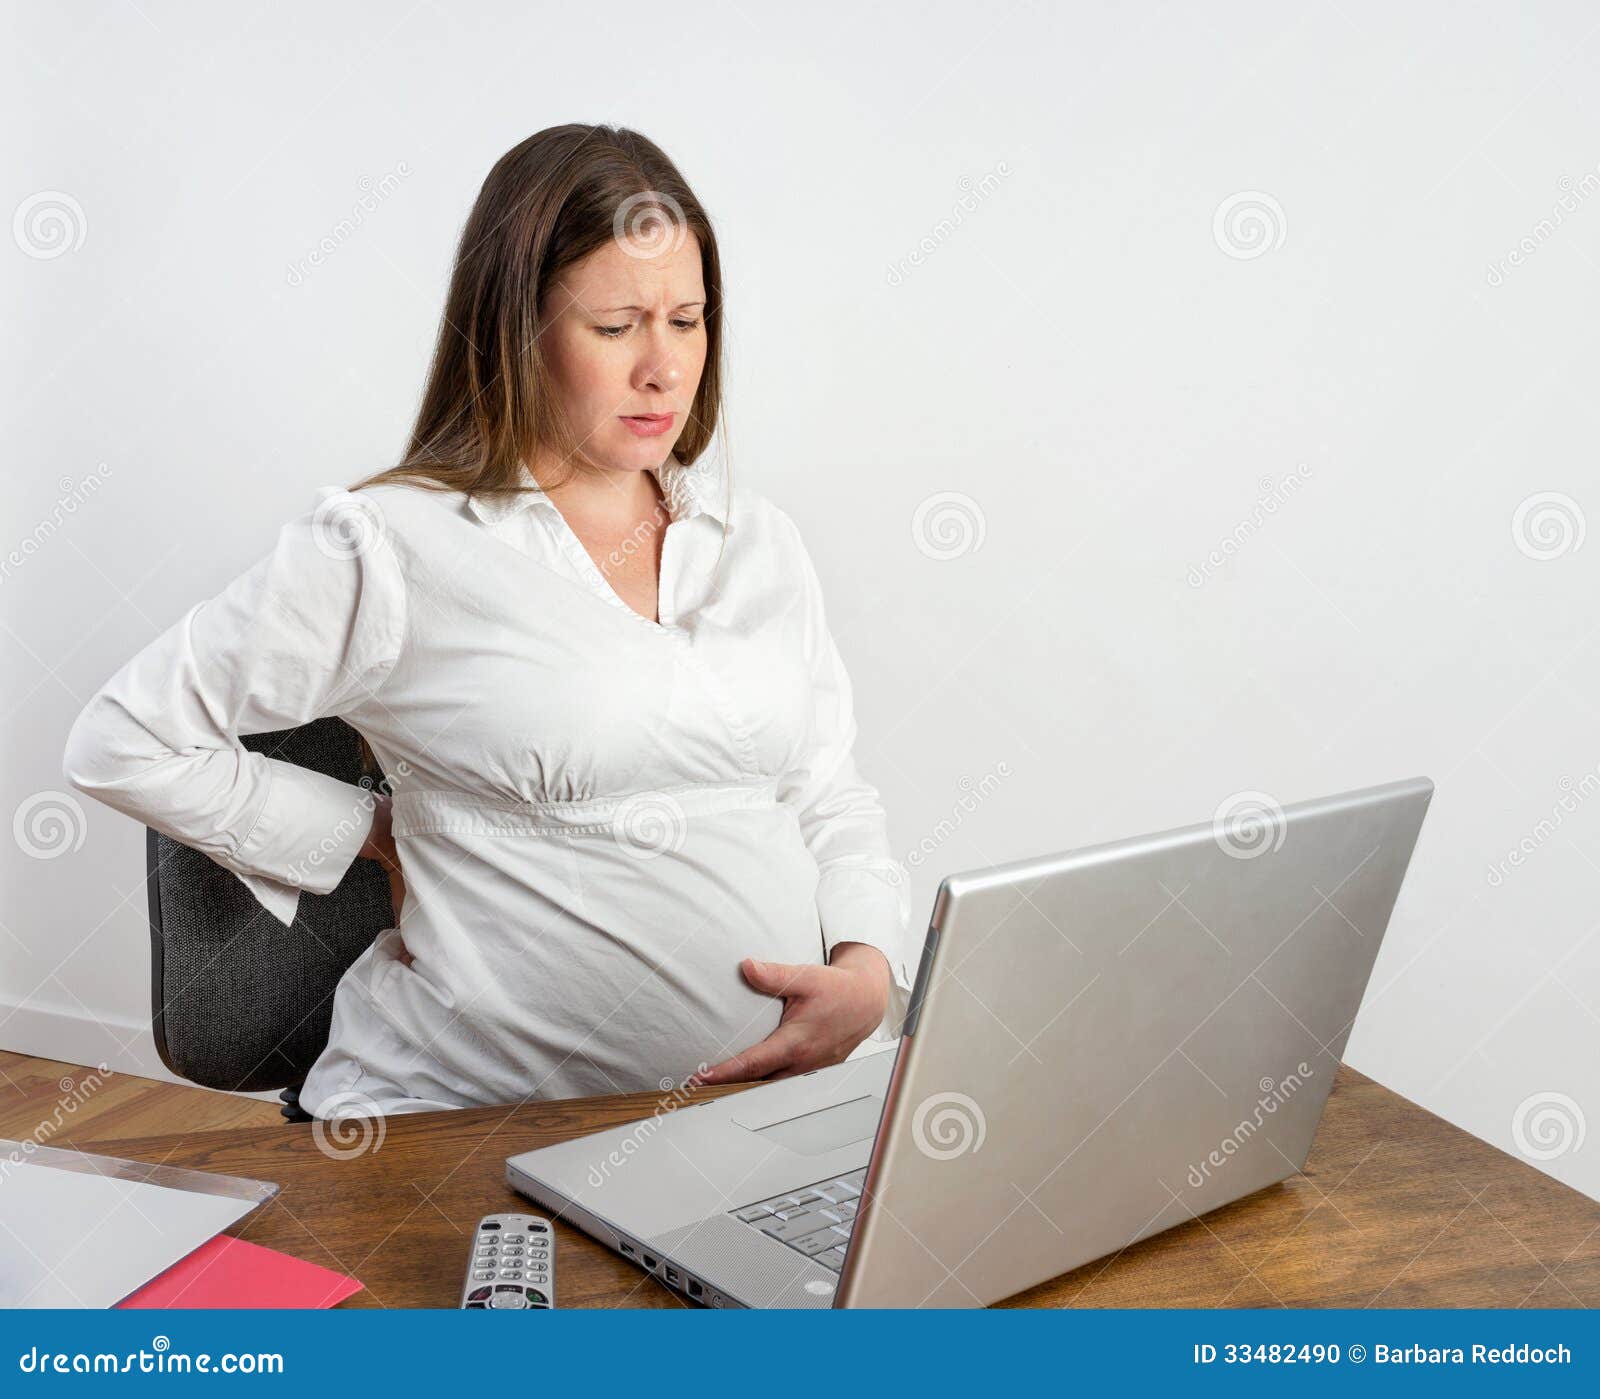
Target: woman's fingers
{"points": [[787, 979], [778, 1051], [817, 1028]]}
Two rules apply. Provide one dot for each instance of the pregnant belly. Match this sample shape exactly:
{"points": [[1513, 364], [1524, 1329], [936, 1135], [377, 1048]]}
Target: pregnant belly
{"points": [[586, 965]]}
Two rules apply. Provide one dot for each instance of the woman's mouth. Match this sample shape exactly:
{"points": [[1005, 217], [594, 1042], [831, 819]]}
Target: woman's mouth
{"points": [[649, 424]]}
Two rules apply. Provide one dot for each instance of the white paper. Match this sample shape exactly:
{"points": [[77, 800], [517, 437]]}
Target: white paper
{"points": [[78, 1239]]}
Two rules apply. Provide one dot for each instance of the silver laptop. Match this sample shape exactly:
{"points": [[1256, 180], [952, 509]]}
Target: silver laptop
{"points": [[1100, 1045]]}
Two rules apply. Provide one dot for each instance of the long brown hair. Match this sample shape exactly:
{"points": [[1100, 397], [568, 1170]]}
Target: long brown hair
{"points": [[489, 404], [549, 202]]}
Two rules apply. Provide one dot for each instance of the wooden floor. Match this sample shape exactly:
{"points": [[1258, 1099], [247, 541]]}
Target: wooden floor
{"points": [[42, 1098]]}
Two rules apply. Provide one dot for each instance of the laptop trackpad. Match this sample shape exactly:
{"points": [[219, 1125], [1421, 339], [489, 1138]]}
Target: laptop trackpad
{"points": [[826, 1129]]}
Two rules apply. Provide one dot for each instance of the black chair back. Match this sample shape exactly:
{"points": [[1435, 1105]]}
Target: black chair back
{"points": [[241, 1002]]}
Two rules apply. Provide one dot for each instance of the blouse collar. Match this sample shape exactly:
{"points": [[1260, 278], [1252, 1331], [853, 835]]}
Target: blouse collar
{"points": [[686, 490]]}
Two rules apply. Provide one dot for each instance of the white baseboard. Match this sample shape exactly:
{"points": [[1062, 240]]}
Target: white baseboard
{"points": [[123, 1046]]}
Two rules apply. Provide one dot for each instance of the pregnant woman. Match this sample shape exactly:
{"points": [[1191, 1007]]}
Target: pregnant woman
{"points": [[626, 835]]}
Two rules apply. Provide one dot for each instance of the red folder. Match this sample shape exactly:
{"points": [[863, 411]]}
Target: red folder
{"points": [[230, 1272]]}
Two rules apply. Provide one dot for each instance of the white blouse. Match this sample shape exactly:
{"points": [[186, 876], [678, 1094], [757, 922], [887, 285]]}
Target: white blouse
{"points": [[597, 816]]}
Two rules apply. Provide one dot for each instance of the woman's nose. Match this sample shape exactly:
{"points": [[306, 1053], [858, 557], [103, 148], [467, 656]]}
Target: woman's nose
{"points": [[662, 371]]}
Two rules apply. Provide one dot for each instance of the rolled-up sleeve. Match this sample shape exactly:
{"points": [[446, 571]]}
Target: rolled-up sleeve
{"points": [[862, 893], [311, 630]]}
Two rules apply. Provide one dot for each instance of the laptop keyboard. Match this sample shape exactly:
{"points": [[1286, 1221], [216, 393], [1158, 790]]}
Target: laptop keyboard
{"points": [[815, 1221]]}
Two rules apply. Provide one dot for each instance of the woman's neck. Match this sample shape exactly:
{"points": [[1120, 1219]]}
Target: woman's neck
{"points": [[604, 498]]}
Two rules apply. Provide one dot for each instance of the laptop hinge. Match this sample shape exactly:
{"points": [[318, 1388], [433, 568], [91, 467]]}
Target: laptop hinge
{"points": [[920, 986]]}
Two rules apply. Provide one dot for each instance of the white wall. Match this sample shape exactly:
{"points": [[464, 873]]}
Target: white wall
{"points": [[1078, 353]]}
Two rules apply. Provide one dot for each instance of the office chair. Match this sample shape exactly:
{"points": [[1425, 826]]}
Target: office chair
{"points": [[241, 1002]]}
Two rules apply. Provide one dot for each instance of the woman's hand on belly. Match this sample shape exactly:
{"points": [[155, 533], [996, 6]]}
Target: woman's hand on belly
{"points": [[827, 1012]]}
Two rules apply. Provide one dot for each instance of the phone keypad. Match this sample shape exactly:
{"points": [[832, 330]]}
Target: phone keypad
{"points": [[510, 1267]]}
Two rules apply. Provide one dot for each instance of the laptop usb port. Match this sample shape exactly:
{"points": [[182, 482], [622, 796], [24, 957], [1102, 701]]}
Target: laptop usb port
{"points": [[672, 1276]]}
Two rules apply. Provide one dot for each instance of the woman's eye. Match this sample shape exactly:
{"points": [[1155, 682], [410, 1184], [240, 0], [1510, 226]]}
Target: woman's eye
{"points": [[614, 332]]}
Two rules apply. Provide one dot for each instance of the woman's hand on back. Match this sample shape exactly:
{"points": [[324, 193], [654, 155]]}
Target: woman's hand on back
{"points": [[380, 846], [827, 1012]]}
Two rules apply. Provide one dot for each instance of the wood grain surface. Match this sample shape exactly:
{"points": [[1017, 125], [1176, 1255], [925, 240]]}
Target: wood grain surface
{"points": [[1396, 1208]]}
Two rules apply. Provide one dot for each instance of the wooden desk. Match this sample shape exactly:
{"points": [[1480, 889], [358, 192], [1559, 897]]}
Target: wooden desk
{"points": [[1396, 1208]]}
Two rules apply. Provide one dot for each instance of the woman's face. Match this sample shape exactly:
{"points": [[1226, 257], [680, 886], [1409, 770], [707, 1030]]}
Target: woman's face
{"points": [[624, 334]]}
